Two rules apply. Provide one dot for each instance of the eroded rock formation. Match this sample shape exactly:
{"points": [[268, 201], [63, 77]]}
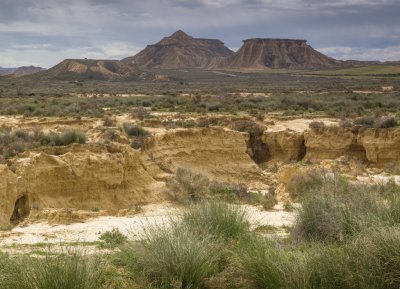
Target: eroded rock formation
{"points": [[180, 51], [116, 177], [378, 147], [261, 53]]}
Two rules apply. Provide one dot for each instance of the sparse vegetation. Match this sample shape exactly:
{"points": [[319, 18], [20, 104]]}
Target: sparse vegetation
{"points": [[13, 142], [113, 238], [134, 130], [317, 125], [188, 186], [64, 138]]}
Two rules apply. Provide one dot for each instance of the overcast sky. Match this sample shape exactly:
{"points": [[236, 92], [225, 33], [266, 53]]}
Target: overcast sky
{"points": [[44, 32]]}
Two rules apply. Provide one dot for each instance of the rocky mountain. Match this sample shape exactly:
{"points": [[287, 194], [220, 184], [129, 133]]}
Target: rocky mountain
{"points": [[180, 51], [261, 53], [25, 70], [81, 69]]}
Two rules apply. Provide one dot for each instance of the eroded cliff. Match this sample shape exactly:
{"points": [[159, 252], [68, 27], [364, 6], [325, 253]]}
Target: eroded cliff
{"points": [[116, 177]]}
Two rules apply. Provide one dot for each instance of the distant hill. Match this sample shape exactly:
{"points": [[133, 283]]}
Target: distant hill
{"points": [[6, 71], [180, 51], [262, 53], [25, 70], [86, 69], [20, 71]]}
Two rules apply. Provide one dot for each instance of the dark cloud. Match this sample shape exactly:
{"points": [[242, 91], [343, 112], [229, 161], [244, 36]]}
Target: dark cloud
{"points": [[44, 32]]}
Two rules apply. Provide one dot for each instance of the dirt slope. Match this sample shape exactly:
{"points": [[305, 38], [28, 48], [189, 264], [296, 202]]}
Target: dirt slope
{"points": [[180, 51]]}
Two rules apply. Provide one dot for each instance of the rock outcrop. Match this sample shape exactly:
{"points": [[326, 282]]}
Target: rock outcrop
{"points": [[180, 51], [260, 53]]}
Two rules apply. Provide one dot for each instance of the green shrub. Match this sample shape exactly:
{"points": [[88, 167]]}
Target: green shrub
{"points": [[172, 257], [64, 138], [13, 142], [385, 122], [217, 219], [135, 130], [113, 238], [316, 125], [139, 142], [229, 192]]}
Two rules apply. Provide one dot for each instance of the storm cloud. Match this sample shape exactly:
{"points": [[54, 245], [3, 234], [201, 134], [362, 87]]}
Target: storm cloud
{"points": [[48, 31]]}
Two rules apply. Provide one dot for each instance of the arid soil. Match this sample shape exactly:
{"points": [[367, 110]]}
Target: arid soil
{"points": [[159, 214], [75, 192]]}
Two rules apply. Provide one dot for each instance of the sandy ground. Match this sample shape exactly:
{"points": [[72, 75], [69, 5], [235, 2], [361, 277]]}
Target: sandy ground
{"points": [[300, 124], [133, 226]]}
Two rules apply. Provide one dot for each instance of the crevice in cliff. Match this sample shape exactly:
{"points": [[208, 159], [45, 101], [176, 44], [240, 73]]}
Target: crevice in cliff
{"points": [[21, 209], [358, 152], [302, 151], [257, 149]]}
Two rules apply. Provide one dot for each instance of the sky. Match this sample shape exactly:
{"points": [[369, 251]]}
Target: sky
{"points": [[44, 32]]}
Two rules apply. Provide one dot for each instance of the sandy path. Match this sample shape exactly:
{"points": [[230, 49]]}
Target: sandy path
{"points": [[134, 226]]}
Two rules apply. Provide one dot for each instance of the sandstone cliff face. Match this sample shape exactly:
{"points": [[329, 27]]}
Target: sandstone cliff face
{"points": [[116, 177], [330, 143], [284, 146], [382, 146], [278, 53], [8, 195], [86, 179], [378, 147], [180, 51], [216, 152]]}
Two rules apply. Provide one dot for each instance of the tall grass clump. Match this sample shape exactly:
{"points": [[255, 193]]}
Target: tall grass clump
{"points": [[370, 261], [217, 219], [70, 271], [338, 209], [172, 257], [268, 265], [9, 273]]}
